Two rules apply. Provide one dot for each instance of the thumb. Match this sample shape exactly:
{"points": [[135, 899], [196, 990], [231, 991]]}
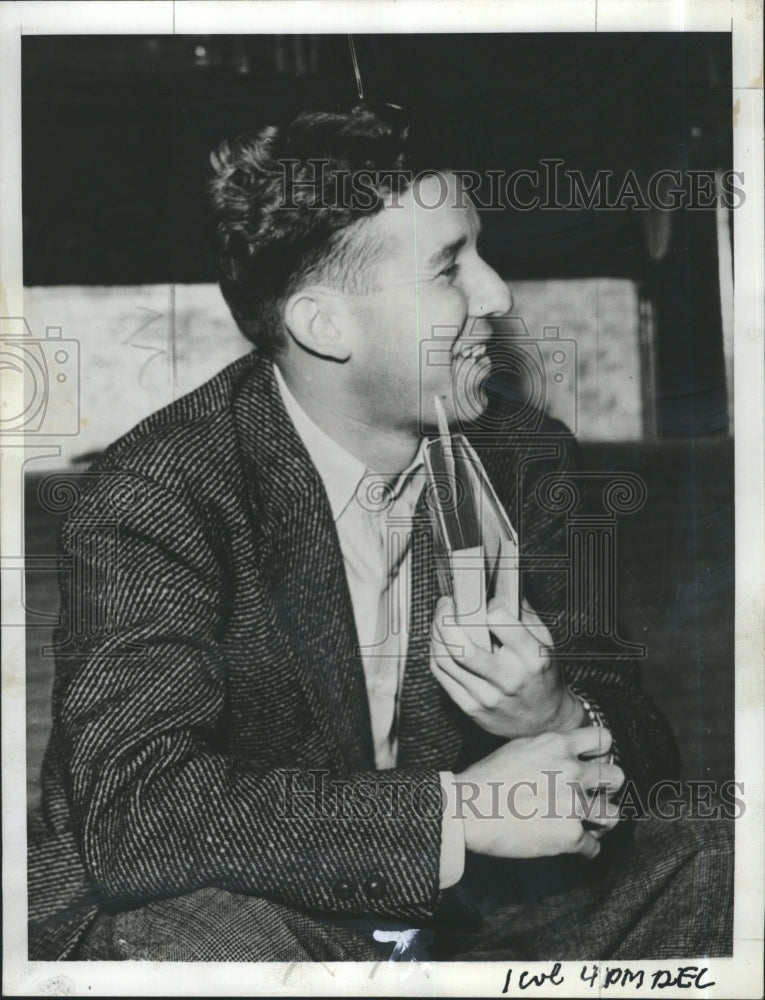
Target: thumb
{"points": [[531, 620]]}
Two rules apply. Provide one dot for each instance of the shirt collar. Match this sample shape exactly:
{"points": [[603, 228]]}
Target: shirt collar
{"points": [[340, 472]]}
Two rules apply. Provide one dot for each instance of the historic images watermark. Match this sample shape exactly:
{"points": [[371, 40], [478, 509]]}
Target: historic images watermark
{"points": [[549, 185], [41, 377], [316, 795]]}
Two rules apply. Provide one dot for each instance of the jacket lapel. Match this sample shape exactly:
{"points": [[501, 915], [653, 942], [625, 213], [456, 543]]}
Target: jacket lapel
{"points": [[303, 564]]}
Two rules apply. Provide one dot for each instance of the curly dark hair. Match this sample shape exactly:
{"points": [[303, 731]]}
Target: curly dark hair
{"points": [[282, 213]]}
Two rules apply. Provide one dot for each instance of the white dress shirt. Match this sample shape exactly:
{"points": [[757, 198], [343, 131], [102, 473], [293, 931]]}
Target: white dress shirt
{"points": [[373, 521]]}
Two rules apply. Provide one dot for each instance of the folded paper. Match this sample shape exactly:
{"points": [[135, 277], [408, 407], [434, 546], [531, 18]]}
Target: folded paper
{"points": [[476, 546]]}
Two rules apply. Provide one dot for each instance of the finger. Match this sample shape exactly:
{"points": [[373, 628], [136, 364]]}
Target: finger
{"points": [[453, 645], [480, 690], [599, 830], [598, 774], [444, 609], [601, 812], [445, 627], [533, 623], [450, 641], [589, 741], [506, 626], [503, 611], [456, 691], [592, 806], [529, 642], [601, 826], [529, 616], [450, 633], [587, 845]]}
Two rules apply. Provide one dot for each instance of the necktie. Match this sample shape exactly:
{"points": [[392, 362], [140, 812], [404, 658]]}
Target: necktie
{"points": [[429, 727], [384, 660]]}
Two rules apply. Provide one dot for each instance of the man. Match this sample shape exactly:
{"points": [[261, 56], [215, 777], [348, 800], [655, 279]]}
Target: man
{"points": [[248, 762]]}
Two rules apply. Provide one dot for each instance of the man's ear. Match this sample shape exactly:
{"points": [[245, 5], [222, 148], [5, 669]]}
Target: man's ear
{"points": [[318, 320]]}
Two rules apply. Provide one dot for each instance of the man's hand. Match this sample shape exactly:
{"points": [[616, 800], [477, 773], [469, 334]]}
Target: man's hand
{"points": [[515, 690], [530, 798]]}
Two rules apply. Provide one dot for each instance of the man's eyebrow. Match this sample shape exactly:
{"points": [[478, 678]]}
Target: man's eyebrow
{"points": [[446, 252]]}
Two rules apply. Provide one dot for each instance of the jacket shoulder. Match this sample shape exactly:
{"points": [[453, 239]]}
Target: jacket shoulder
{"points": [[191, 437]]}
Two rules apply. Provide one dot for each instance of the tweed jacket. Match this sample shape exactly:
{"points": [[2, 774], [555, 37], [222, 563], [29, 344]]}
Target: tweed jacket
{"points": [[209, 694]]}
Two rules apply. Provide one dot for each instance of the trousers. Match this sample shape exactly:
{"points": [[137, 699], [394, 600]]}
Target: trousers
{"points": [[660, 889]]}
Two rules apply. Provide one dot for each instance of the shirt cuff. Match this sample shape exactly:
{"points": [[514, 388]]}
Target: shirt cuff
{"points": [[452, 835]]}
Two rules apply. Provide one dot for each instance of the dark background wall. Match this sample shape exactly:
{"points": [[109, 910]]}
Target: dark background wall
{"points": [[117, 133]]}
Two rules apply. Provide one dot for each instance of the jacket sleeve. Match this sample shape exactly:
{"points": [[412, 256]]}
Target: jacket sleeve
{"points": [[157, 805]]}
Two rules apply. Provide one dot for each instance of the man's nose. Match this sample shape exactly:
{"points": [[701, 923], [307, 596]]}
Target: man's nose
{"points": [[490, 296]]}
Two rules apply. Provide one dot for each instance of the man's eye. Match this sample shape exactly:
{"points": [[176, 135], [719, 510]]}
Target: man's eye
{"points": [[450, 272]]}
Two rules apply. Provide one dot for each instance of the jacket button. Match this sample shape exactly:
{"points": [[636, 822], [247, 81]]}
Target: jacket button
{"points": [[343, 889], [375, 886]]}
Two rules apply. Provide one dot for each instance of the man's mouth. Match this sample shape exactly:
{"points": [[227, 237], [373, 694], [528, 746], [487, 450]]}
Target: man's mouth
{"points": [[473, 344], [470, 350], [471, 367]]}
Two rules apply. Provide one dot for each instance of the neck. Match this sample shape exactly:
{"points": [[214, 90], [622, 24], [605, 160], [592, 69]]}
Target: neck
{"points": [[326, 401]]}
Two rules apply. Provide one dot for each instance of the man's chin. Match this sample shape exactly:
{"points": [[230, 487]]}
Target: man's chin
{"points": [[470, 401], [460, 409], [469, 413], [469, 396]]}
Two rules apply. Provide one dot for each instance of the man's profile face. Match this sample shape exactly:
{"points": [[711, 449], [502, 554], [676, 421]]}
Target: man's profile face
{"points": [[429, 281]]}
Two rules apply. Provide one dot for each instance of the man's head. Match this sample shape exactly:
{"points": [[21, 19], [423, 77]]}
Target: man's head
{"points": [[362, 268], [284, 213]]}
